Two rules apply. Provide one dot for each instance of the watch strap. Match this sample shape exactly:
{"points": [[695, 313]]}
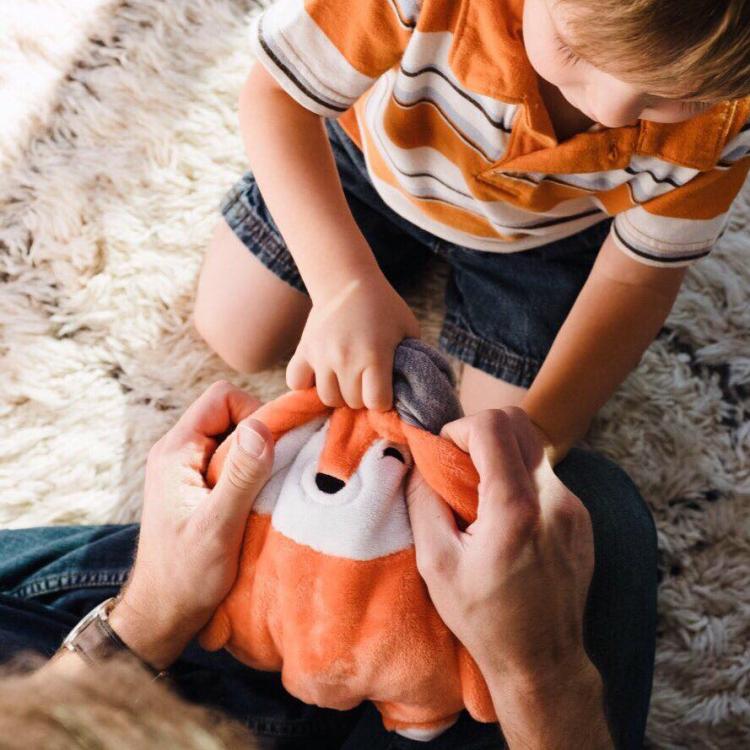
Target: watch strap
{"points": [[97, 641], [94, 640]]}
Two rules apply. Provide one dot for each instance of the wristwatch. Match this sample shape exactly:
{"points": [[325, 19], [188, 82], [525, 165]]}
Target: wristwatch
{"points": [[94, 640]]}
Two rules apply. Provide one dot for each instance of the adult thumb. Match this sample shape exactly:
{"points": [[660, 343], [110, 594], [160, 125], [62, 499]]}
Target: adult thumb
{"points": [[246, 468], [436, 535]]}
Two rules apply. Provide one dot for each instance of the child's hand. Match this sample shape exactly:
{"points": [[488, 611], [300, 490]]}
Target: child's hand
{"points": [[346, 349]]}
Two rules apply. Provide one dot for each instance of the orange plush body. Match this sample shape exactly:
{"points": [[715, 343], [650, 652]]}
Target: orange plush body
{"points": [[328, 591]]}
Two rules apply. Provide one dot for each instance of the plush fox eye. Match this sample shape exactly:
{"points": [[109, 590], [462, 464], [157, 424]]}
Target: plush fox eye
{"points": [[394, 453]]}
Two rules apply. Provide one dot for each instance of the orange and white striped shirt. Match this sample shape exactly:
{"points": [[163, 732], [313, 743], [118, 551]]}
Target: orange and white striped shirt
{"points": [[443, 101]]}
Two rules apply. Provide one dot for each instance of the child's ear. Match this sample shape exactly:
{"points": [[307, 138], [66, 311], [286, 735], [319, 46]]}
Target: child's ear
{"points": [[446, 468], [280, 415]]}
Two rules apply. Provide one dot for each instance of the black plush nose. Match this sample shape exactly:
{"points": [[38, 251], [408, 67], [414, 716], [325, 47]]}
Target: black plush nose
{"points": [[327, 483]]}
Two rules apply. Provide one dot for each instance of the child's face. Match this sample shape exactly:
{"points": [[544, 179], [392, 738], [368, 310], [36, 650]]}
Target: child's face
{"points": [[599, 95]]}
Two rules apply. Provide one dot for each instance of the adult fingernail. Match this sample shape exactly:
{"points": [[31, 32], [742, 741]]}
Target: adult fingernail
{"points": [[251, 442]]}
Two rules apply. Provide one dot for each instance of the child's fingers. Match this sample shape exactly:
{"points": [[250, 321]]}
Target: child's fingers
{"points": [[299, 373], [351, 389], [328, 387], [377, 390]]}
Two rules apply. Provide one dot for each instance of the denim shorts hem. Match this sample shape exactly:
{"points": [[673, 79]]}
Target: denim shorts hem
{"points": [[53, 584], [492, 357], [253, 231]]}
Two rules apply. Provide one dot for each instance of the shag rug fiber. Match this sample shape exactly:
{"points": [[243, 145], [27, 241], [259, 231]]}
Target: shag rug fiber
{"points": [[119, 137]]}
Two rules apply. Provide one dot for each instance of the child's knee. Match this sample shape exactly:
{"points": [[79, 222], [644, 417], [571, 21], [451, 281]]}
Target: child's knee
{"points": [[241, 354]]}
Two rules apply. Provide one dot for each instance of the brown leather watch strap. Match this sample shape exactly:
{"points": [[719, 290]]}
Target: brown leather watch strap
{"points": [[98, 641], [94, 640]]}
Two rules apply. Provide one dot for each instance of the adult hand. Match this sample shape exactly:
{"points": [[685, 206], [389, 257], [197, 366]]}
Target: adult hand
{"points": [[513, 585], [190, 536]]}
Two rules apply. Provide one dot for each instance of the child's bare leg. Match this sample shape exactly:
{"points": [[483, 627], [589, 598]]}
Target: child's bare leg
{"points": [[481, 391], [246, 314]]}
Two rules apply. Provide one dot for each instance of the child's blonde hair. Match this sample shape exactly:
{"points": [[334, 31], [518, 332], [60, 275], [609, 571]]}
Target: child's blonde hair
{"points": [[678, 49]]}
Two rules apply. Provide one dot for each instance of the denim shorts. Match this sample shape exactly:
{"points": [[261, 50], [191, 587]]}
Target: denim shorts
{"points": [[503, 310]]}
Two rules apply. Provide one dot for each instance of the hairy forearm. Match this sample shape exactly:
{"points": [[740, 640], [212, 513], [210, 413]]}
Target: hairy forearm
{"points": [[560, 713], [293, 164], [617, 315]]}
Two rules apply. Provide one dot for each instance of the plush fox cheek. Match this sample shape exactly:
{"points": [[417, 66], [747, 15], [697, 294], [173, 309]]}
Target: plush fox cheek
{"points": [[361, 517]]}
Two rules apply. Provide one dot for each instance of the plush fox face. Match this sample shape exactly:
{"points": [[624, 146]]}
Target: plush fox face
{"points": [[343, 493], [348, 436], [327, 590]]}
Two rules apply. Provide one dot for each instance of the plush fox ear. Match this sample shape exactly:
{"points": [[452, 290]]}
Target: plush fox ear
{"points": [[291, 410], [280, 415], [446, 468]]}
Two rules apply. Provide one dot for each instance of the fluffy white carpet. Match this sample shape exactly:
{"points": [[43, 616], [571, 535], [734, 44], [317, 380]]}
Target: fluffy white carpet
{"points": [[123, 138]]}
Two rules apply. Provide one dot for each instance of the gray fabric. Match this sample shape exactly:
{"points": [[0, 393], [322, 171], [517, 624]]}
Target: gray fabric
{"points": [[424, 386]]}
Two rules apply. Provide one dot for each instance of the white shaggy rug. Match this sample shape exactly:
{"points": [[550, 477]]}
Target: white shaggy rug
{"points": [[119, 137]]}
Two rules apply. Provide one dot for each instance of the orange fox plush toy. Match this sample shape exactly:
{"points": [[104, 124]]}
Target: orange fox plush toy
{"points": [[328, 591]]}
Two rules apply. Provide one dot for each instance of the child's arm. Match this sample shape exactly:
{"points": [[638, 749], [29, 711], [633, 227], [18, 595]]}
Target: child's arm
{"points": [[294, 167], [617, 315], [357, 318]]}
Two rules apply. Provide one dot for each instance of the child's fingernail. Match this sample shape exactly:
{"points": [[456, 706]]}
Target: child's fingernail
{"points": [[251, 442]]}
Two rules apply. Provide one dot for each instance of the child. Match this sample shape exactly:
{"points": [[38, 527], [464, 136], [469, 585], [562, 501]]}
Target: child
{"points": [[500, 135]]}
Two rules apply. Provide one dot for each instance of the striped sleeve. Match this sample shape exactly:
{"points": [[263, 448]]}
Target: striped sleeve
{"points": [[327, 53], [683, 224]]}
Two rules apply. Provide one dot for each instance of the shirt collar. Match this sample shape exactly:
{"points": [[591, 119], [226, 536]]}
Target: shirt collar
{"points": [[489, 50]]}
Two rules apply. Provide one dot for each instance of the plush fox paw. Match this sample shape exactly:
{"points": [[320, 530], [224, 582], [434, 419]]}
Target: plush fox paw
{"points": [[217, 633]]}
